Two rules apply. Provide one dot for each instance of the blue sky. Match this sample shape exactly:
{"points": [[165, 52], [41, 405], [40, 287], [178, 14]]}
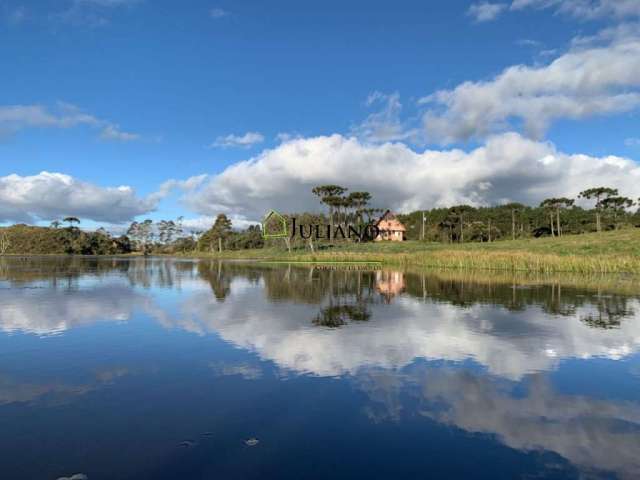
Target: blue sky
{"points": [[137, 93]]}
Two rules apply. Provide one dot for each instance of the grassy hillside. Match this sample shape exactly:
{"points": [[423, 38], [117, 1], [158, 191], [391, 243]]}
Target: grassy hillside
{"points": [[24, 239], [605, 252], [29, 240]]}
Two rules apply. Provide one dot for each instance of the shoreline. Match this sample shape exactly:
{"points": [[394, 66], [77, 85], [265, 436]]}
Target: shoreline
{"points": [[615, 252]]}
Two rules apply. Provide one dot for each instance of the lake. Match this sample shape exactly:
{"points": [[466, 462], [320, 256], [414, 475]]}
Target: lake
{"points": [[157, 368]]}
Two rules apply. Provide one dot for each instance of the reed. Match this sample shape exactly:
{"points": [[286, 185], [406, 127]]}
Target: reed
{"points": [[610, 252], [506, 261]]}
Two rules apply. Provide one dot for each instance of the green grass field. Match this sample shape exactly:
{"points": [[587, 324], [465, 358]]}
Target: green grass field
{"points": [[607, 252]]}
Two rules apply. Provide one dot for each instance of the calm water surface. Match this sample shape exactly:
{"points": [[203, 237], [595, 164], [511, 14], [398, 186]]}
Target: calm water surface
{"points": [[167, 369]]}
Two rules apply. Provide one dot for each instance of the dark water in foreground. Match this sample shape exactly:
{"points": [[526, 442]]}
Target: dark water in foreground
{"points": [[160, 369]]}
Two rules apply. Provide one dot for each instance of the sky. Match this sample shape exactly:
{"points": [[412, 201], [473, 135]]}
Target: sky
{"points": [[120, 110]]}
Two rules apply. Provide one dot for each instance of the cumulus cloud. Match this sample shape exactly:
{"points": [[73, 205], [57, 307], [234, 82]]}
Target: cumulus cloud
{"points": [[584, 9], [245, 141], [485, 11], [48, 196], [14, 118], [508, 167], [588, 80]]}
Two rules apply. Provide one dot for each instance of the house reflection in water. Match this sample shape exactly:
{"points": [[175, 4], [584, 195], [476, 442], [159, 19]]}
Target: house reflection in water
{"points": [[389, 284]]}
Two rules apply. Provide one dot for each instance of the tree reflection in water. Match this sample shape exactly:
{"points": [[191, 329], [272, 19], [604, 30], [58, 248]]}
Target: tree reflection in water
{"points": [[343, 296]]}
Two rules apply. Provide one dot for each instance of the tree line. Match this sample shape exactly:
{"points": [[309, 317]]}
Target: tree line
{"points": [[553, 217]]}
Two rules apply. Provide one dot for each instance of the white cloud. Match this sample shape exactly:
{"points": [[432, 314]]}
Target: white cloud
{"points": [[587, 80], [585, 9], [485, 11], [550, 52], [247, 140], [218, 13], [528, 42], [384, 125], [205, 222], [18, 117], [49, 196], [198, 224], [283, 137], [113, 132], [14, 118], [168, 186], [508, 166]]}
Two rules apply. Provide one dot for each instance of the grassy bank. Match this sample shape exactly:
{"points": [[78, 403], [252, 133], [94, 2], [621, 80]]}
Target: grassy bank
{"points": [[607, 252]]}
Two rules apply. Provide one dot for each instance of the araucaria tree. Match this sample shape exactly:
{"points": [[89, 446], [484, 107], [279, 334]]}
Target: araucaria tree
{"points": [[599, 194], [616, 206], [357, 201], [514, 207], [459, 211], [330, 195], [71, 220], [555, 205]]}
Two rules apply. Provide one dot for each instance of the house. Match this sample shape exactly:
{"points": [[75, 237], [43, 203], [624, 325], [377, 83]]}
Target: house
{"points": [[390, 228]]}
